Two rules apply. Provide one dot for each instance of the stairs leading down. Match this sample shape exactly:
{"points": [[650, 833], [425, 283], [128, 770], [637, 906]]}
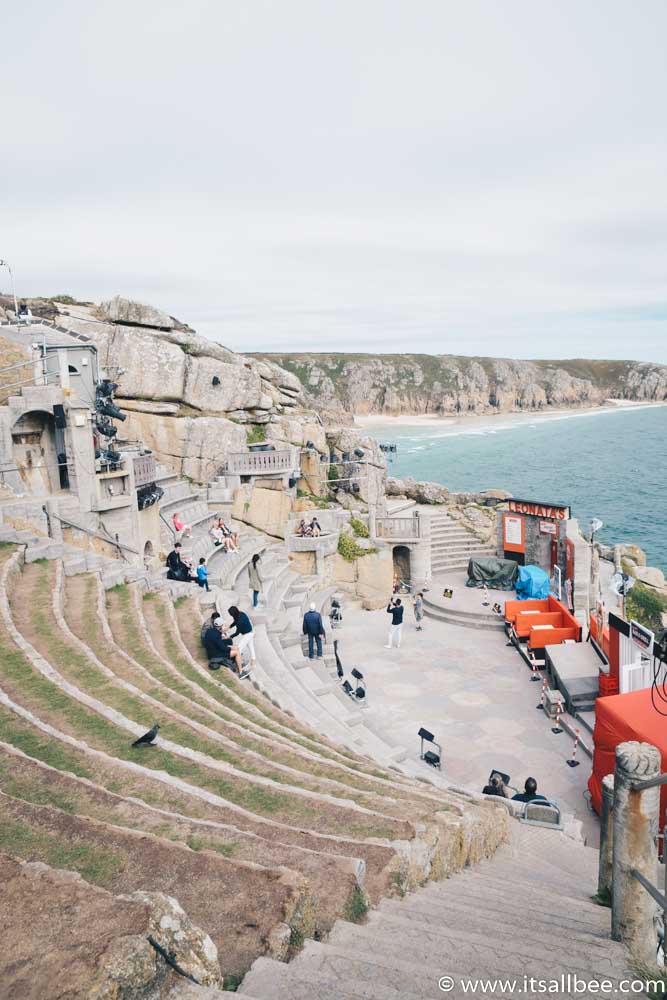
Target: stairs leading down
{"points": [[452, 544], [526, 912]]}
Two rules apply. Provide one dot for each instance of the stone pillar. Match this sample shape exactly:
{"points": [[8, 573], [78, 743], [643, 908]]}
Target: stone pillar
{"points": [[606, 837], [372, 514], [634, 830]]}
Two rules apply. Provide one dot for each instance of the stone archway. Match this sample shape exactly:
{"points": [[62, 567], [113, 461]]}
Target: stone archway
{"points": [[34, 452], [401, 556], [149, 554]]}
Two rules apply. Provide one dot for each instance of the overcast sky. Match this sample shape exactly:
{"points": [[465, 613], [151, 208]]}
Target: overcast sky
{"points": [[369, 175]]}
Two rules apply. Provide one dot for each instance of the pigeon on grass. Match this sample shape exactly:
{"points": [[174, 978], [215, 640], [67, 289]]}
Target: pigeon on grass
{"points": [[148, 739]]}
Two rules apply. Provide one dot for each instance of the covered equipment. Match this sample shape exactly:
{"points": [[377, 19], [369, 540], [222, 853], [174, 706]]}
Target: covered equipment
{"points": [[532, 584], [498, 574], [619, 718]]}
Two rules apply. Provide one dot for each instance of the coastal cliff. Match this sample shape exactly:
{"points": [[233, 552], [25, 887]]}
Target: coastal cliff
{"points": [[347, 384]]}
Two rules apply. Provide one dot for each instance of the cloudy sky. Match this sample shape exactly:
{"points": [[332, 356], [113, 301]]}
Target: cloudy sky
{"points": [[369, 175]]}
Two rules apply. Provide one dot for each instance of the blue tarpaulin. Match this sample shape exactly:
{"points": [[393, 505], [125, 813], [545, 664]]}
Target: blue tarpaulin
{"points": [[533, 583]]}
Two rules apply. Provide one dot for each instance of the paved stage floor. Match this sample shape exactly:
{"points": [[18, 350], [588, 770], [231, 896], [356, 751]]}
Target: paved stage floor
{"points": [[474, 694]]}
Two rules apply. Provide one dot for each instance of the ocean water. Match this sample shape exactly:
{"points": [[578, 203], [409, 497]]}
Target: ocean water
{"points": [[606, 464]]}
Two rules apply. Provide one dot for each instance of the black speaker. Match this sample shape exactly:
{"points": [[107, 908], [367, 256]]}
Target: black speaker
{"points": [[59, 414]]}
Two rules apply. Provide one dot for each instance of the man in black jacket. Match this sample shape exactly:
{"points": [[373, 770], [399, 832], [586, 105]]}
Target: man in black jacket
{"points": [[395, 609], [313, 627], [176, 568], [220, 650]]}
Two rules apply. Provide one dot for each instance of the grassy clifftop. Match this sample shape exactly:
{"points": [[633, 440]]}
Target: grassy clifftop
{"points": [[426, 383]]}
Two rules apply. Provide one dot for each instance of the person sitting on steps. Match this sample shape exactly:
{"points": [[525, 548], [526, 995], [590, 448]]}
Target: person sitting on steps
{"points": [[180, 527], [495, 787], [220, 649], [177, 568], [529, 793]]}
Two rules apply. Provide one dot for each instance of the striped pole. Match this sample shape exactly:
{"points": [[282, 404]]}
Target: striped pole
{"points": [[559, 709], [572, 761], [543, 695], [535, 675]]}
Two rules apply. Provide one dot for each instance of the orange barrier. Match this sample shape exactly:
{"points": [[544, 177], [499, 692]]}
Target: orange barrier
{"points": [[542, 623]]}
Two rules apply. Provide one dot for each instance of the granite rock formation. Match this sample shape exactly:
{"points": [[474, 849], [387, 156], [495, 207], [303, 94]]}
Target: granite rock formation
{"points": [[448, 384]]}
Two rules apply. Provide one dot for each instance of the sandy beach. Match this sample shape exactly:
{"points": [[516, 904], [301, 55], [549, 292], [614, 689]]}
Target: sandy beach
{"points": [[429, 420]]}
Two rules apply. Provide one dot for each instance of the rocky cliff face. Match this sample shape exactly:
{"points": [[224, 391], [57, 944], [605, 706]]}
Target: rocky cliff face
{"points": [[421, 384], [188, 398]]}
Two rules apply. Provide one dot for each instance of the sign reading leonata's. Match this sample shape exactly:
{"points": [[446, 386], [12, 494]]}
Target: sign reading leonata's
{"points": [[535, 508]]}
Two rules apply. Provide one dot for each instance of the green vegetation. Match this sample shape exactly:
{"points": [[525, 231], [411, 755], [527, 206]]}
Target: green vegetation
{"points": [[646, 606], [255, 434], [232, 982], [357, 906], [359, 528], [196, 843], [94, 863], [349, 550], [321, 503]]}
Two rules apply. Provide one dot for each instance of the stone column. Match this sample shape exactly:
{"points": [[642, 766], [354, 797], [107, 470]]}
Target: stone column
{"points": [[635, 827], [606, 837]]}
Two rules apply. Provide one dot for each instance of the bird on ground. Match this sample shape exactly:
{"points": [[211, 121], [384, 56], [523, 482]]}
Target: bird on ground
{"points": [[148, 739]]}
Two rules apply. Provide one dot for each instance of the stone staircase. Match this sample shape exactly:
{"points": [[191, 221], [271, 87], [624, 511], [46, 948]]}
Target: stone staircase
{"points": [[525, 912], [452, 544]]}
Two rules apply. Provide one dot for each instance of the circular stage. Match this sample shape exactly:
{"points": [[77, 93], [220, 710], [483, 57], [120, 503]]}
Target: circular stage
{"points": [[465, 606]]}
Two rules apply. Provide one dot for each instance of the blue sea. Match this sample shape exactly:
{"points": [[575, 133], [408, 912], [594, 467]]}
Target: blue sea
{"points": [[610, 464]]}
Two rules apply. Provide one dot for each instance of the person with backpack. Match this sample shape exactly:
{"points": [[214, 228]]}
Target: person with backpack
{"points": [[395, 609]]}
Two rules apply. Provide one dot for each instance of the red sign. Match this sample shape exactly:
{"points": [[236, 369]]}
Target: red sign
{"points": [[536, 509], [548, 528]]}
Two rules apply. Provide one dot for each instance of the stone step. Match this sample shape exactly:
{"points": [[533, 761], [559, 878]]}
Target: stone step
{"points": [[387, 938], [538, 935]]}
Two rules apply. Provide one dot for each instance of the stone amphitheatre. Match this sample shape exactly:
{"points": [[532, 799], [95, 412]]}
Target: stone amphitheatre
{"points": [[280, 839]]}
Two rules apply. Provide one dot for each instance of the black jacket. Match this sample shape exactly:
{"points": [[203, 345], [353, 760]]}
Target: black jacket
{"points": [[174, 561], [242, 625], [312, 623], [215, 644], [396, 614]]}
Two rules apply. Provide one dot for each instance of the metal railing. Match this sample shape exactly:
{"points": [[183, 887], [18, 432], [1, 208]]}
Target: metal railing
{"points": [[660, 899], [256, 463], [398, 528]]}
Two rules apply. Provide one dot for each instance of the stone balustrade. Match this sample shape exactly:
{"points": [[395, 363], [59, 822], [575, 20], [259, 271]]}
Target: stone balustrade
{"points": [[398, 529], [261, 463], [325, 544]]}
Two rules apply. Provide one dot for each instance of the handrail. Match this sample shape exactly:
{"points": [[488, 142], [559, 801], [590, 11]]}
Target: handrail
{"points": [[94, 534], [650, 888], [172, 529], [660, 779]]}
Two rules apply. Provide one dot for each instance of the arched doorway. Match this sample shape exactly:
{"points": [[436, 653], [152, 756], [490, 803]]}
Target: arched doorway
{"points": [[401, 556], [34, 452], [148, 554]]}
